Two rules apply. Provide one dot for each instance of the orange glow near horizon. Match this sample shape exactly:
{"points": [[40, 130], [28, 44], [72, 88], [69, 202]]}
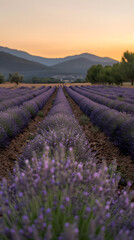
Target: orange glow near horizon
{"points": [[60, 28]]}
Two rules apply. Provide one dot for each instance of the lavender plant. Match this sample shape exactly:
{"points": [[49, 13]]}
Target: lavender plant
{"points": [[61, 198]]}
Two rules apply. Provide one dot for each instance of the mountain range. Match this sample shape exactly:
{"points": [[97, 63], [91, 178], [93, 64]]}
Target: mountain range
{"points": [[12, 60]]}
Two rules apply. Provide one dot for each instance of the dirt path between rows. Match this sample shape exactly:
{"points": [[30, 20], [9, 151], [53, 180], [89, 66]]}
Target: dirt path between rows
{"points": [[100, 143], [8, 156]]}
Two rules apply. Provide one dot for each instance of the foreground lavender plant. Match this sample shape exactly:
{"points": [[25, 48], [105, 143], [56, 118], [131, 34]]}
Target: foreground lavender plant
{"points": [[61, 198]]}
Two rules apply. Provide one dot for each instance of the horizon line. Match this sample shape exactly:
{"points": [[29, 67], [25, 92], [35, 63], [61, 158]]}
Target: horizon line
{"points": [[58, 57]]}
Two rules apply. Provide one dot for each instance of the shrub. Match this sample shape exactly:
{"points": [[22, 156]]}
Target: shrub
{"points": [[2, 79], [15, 78], [41, 114], [84, 120]]}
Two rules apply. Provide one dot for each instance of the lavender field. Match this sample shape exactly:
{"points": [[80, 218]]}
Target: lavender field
{"points": [[58, 190]]}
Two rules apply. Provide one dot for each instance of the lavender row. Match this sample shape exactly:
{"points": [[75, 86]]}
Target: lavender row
{"points": [[126, 95], [60, 126], [109, 95], [11, 93], [118, 126], [114, 104], [14, 120], [20, 98], [114, 100], [17, 101], [127, 92], [61, 196], [6, 93]]}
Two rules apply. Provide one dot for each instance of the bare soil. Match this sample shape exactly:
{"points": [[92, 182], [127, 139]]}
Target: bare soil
{"points": [[8, 156], [104, 148], [37, 85]]}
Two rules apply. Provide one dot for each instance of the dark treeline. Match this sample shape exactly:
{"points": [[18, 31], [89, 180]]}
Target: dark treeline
{"points": [[116, 74], [13, 78], [17, 78], [43, 80]]}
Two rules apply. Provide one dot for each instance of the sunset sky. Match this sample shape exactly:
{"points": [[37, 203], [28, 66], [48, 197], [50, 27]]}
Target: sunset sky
{"points": [[57, 28]]}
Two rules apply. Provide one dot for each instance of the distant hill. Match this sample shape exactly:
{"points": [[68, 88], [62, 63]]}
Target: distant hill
{"points": [[77, 66], [54, 61], [13, 63], [72, 66], [10, 63], [94, 58]]}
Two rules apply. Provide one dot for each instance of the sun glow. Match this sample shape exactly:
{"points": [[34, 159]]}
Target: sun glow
{"points": [[60, 28]]}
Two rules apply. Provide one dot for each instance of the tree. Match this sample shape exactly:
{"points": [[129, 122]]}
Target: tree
{"points": [[94, 74], [108, 78], [15, 78], [127, 63], [100, 74], [2, 79], [117, 73]]}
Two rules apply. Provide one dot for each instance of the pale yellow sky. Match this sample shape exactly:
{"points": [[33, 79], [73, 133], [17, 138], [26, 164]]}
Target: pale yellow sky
{"points": [[57, 28]]}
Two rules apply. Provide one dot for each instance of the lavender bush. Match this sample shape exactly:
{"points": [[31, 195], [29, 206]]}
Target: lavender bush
{"points": [[61, 198], [3, 135]]}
